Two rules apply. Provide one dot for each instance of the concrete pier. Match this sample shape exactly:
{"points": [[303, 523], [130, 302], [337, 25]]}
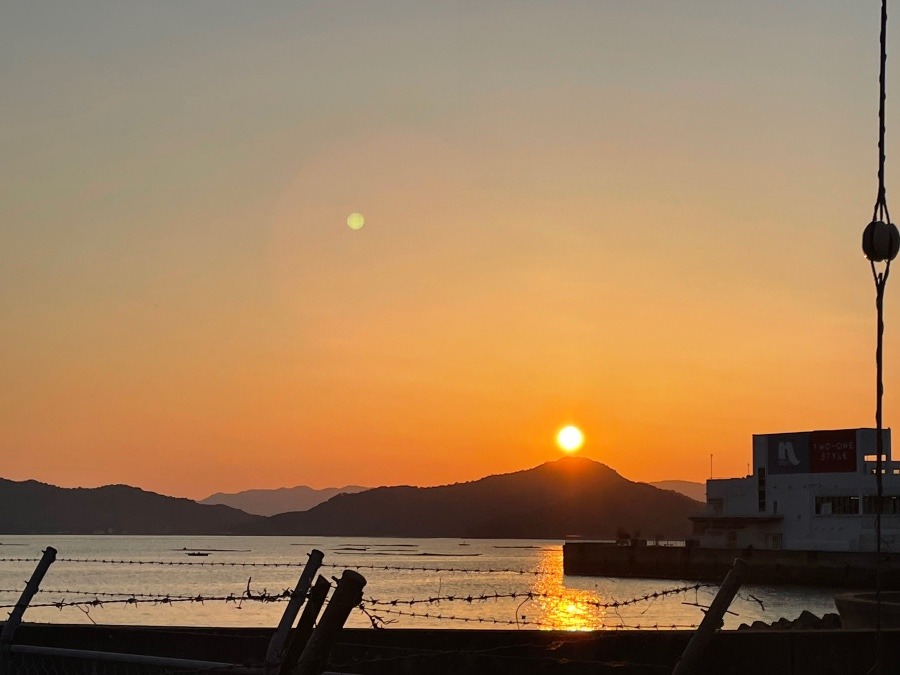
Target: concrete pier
{"points": [[835, 569]]}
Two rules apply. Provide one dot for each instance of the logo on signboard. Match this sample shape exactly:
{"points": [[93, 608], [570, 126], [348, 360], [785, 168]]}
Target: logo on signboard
{"points": [[786, 453]]}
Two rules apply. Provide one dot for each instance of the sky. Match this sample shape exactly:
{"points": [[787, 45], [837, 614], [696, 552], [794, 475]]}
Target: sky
{"points": [[640, 217]]}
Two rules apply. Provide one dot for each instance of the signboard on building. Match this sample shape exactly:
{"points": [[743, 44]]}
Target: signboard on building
{"points": [[832, 451], [813, 452]]}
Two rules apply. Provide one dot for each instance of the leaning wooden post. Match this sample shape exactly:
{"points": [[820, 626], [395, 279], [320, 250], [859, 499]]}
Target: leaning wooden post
{"points": [[279, 640], [300, 635], [690, 659], [347, 595], [15, 616]]}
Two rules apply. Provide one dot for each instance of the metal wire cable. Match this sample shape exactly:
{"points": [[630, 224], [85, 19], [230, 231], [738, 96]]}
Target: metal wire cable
{"points": [[881, 209], [880, 278], [187, 563], [531, 595], [508, 622]]}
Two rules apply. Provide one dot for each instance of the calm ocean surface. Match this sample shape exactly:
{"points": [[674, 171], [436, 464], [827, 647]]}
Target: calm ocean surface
{"points": [[558, 602]]}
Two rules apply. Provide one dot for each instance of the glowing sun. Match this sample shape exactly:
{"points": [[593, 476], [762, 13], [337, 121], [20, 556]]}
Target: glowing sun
{"points": [[355, 221], [569, 439]]}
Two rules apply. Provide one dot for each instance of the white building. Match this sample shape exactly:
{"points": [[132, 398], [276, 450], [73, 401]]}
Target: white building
{"points": [[812, 491]]}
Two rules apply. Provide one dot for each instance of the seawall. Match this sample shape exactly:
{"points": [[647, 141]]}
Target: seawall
{"points": [[836, 569], [441, 652]]}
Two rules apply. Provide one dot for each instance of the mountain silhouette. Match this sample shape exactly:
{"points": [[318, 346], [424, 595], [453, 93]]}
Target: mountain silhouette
{"points": [[30, 507], [279, 500], [686, 487], [570, 496]]}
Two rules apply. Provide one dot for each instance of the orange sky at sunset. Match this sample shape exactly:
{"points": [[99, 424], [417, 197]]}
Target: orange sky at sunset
{"points": [[641, 218]]}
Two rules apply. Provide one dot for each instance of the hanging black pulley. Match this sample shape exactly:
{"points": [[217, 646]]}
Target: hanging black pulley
{"points": [[881, 241]]}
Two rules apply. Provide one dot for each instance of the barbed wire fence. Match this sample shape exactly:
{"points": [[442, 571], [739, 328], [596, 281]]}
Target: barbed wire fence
{"points": [[371, 607], [451, 609], [378, 612], [284, 648]]}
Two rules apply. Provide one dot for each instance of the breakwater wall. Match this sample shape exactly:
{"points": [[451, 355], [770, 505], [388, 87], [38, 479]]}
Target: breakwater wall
{"points": [[523, 652], [836, 569]]}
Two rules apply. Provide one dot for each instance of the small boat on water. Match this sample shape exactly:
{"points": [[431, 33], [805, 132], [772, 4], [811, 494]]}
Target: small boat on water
{"points": [[198, 553]]}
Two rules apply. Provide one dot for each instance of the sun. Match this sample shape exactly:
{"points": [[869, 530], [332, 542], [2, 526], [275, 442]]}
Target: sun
{"points": [[355, 221], [570, 439]]}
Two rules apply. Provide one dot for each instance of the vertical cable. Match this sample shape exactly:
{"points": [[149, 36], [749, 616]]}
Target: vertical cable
{"points": [[880, 214]]}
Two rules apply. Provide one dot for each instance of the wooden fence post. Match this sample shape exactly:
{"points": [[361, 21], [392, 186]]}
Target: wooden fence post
{"points": [[347, 595], [279, 639], [15, 616], [690, 659], [300, 635]]}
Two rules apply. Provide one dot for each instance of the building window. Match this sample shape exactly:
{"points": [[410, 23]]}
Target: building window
{"points": [[761, 488], [837, 506], [889, 505], [773, 541]]}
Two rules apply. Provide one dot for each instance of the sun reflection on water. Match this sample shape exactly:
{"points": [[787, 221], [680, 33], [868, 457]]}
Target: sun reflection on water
{"points": [[559, 607]]}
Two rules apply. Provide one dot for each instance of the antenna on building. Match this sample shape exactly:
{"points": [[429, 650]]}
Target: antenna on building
{"points": [[710, 466]]}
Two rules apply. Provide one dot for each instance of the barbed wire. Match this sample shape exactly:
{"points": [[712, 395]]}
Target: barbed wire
{"points": [[372, 616], [651, 626], [466, 570], [190, 563], [166, 600], [107, 594], [153, 598], [531, 595], [99, 599], [173, 563], [389, 608], [132, 598], [372, 608], [509, 622]]}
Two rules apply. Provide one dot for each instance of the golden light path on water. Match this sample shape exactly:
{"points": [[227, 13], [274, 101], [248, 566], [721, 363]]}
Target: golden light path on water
{"points": [[561, 607]]}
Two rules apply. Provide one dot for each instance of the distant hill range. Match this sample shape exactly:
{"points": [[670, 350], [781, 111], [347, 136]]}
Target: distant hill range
{"points": [[280, 500], [571, 496], [693, 490], [30, 507]]}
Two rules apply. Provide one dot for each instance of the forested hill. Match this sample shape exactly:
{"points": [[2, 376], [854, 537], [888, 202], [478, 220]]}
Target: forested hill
{"points": [[571, 496], [30, 507]]}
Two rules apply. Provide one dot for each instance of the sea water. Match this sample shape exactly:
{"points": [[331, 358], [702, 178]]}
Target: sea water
{"points": [[411, 583]]}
